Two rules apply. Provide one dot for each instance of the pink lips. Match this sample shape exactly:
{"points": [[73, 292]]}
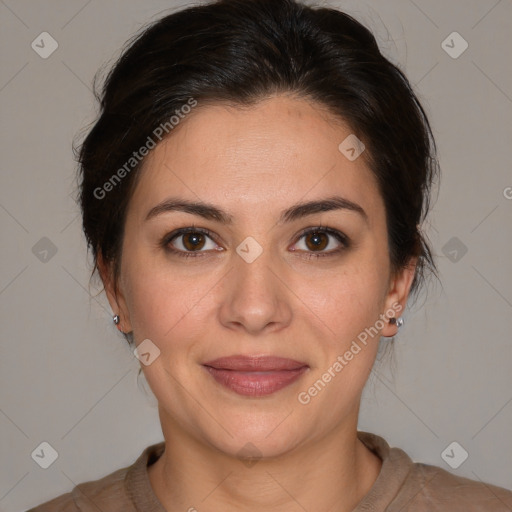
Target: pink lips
{"points": [[257, 375]]}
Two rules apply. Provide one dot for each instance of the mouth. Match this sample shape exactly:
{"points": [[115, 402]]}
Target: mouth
{"points": [[255, 375]]}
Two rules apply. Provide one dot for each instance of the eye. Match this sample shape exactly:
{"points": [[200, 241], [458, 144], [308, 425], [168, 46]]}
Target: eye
{"points": [[186, 241], [318, 241], [324, 241]]}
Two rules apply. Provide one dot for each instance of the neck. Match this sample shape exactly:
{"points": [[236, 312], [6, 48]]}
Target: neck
{"points": [[333, 473]]}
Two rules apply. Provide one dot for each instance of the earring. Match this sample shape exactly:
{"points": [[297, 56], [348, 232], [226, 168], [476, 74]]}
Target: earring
{"points": [[116, 319], [397, 321]]}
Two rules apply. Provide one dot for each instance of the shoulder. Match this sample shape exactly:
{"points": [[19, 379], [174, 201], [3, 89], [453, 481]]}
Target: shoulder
{"points": [[431, 488], [407, 486], [115, 492], [106, 494]]}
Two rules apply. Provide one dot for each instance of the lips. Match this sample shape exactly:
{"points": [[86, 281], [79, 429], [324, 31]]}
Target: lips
{"points": [[255, 375], [255, 363]]}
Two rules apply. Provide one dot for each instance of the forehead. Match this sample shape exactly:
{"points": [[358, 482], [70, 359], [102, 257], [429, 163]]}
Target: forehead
{"points": [[280, 151]]}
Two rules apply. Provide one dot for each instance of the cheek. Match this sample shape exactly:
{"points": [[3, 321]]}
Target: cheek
{"points": [[347, 300], [159, 305], [168, 311], [348, 342], [169, 306]]}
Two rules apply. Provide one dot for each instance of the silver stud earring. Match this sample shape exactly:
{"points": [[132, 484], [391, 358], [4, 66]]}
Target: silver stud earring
{"points": [[397, 321], [116, 319]]}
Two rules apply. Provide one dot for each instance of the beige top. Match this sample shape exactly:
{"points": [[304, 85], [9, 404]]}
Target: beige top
{"points": [[402, 486]]}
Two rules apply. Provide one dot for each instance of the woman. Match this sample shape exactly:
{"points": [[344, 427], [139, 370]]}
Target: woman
{"points": [[253, 194]]}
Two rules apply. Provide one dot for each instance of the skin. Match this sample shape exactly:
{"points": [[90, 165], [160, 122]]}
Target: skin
{"points": [[254, 163]]}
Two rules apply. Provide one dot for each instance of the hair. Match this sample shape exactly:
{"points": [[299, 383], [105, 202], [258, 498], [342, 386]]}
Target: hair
{"points": [[239, 52]]}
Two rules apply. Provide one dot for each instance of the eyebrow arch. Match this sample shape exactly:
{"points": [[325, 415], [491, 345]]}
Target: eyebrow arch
{"points": [[297, 211]]}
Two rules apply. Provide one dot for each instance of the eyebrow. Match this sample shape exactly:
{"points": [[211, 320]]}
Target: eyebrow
{"points": [[297, 211]]}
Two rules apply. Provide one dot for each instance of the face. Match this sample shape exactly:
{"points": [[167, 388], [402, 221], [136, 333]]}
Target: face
{"points": [[257, 276]]}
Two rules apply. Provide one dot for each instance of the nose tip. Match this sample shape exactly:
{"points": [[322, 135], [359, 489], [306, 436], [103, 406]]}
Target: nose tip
{"points": [[255, 299]]}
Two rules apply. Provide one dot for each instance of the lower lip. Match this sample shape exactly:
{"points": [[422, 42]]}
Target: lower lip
{"points": [[255, 383]]}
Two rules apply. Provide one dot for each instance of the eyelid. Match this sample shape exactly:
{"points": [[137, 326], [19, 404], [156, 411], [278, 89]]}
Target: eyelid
{"points": [[340, 237], [166, 241], [325, 229]]}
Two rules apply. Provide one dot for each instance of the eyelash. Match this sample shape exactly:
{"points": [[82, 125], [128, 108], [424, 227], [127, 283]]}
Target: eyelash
{"points": [[342, 238]]}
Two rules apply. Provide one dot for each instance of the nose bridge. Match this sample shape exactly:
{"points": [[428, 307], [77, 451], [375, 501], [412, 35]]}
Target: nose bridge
{"points": [[254, 269]]}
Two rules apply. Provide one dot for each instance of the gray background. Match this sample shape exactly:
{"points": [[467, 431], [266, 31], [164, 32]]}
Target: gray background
{"points": [[68, 378]]}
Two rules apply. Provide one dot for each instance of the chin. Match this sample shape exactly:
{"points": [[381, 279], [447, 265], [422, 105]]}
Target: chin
{"points": [[256, 436]]}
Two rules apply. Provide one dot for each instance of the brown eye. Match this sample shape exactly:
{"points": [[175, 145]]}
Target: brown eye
{"points": [[316, 240], [321, 241], [193, 241], [188, 241]]}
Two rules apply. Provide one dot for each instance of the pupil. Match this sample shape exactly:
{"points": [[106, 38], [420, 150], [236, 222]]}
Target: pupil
{"points": [[318, 240], [193, 240]]}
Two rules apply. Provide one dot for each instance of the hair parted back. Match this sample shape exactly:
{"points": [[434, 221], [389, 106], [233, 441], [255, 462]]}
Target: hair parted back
{"points": [[243, 51]]}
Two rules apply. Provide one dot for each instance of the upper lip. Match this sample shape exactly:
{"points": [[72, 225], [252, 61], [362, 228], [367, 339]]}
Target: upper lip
{"points": [[254, 363]]}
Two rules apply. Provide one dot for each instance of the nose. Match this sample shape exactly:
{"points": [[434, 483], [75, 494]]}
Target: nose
{"points": [[256, 299]]}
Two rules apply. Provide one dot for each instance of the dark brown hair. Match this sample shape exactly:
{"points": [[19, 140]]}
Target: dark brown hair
{"points": [[242, 51]]}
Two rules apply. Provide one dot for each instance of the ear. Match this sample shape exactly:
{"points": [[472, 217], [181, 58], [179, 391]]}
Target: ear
{"points": [[396, 299], [114, 294]]}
